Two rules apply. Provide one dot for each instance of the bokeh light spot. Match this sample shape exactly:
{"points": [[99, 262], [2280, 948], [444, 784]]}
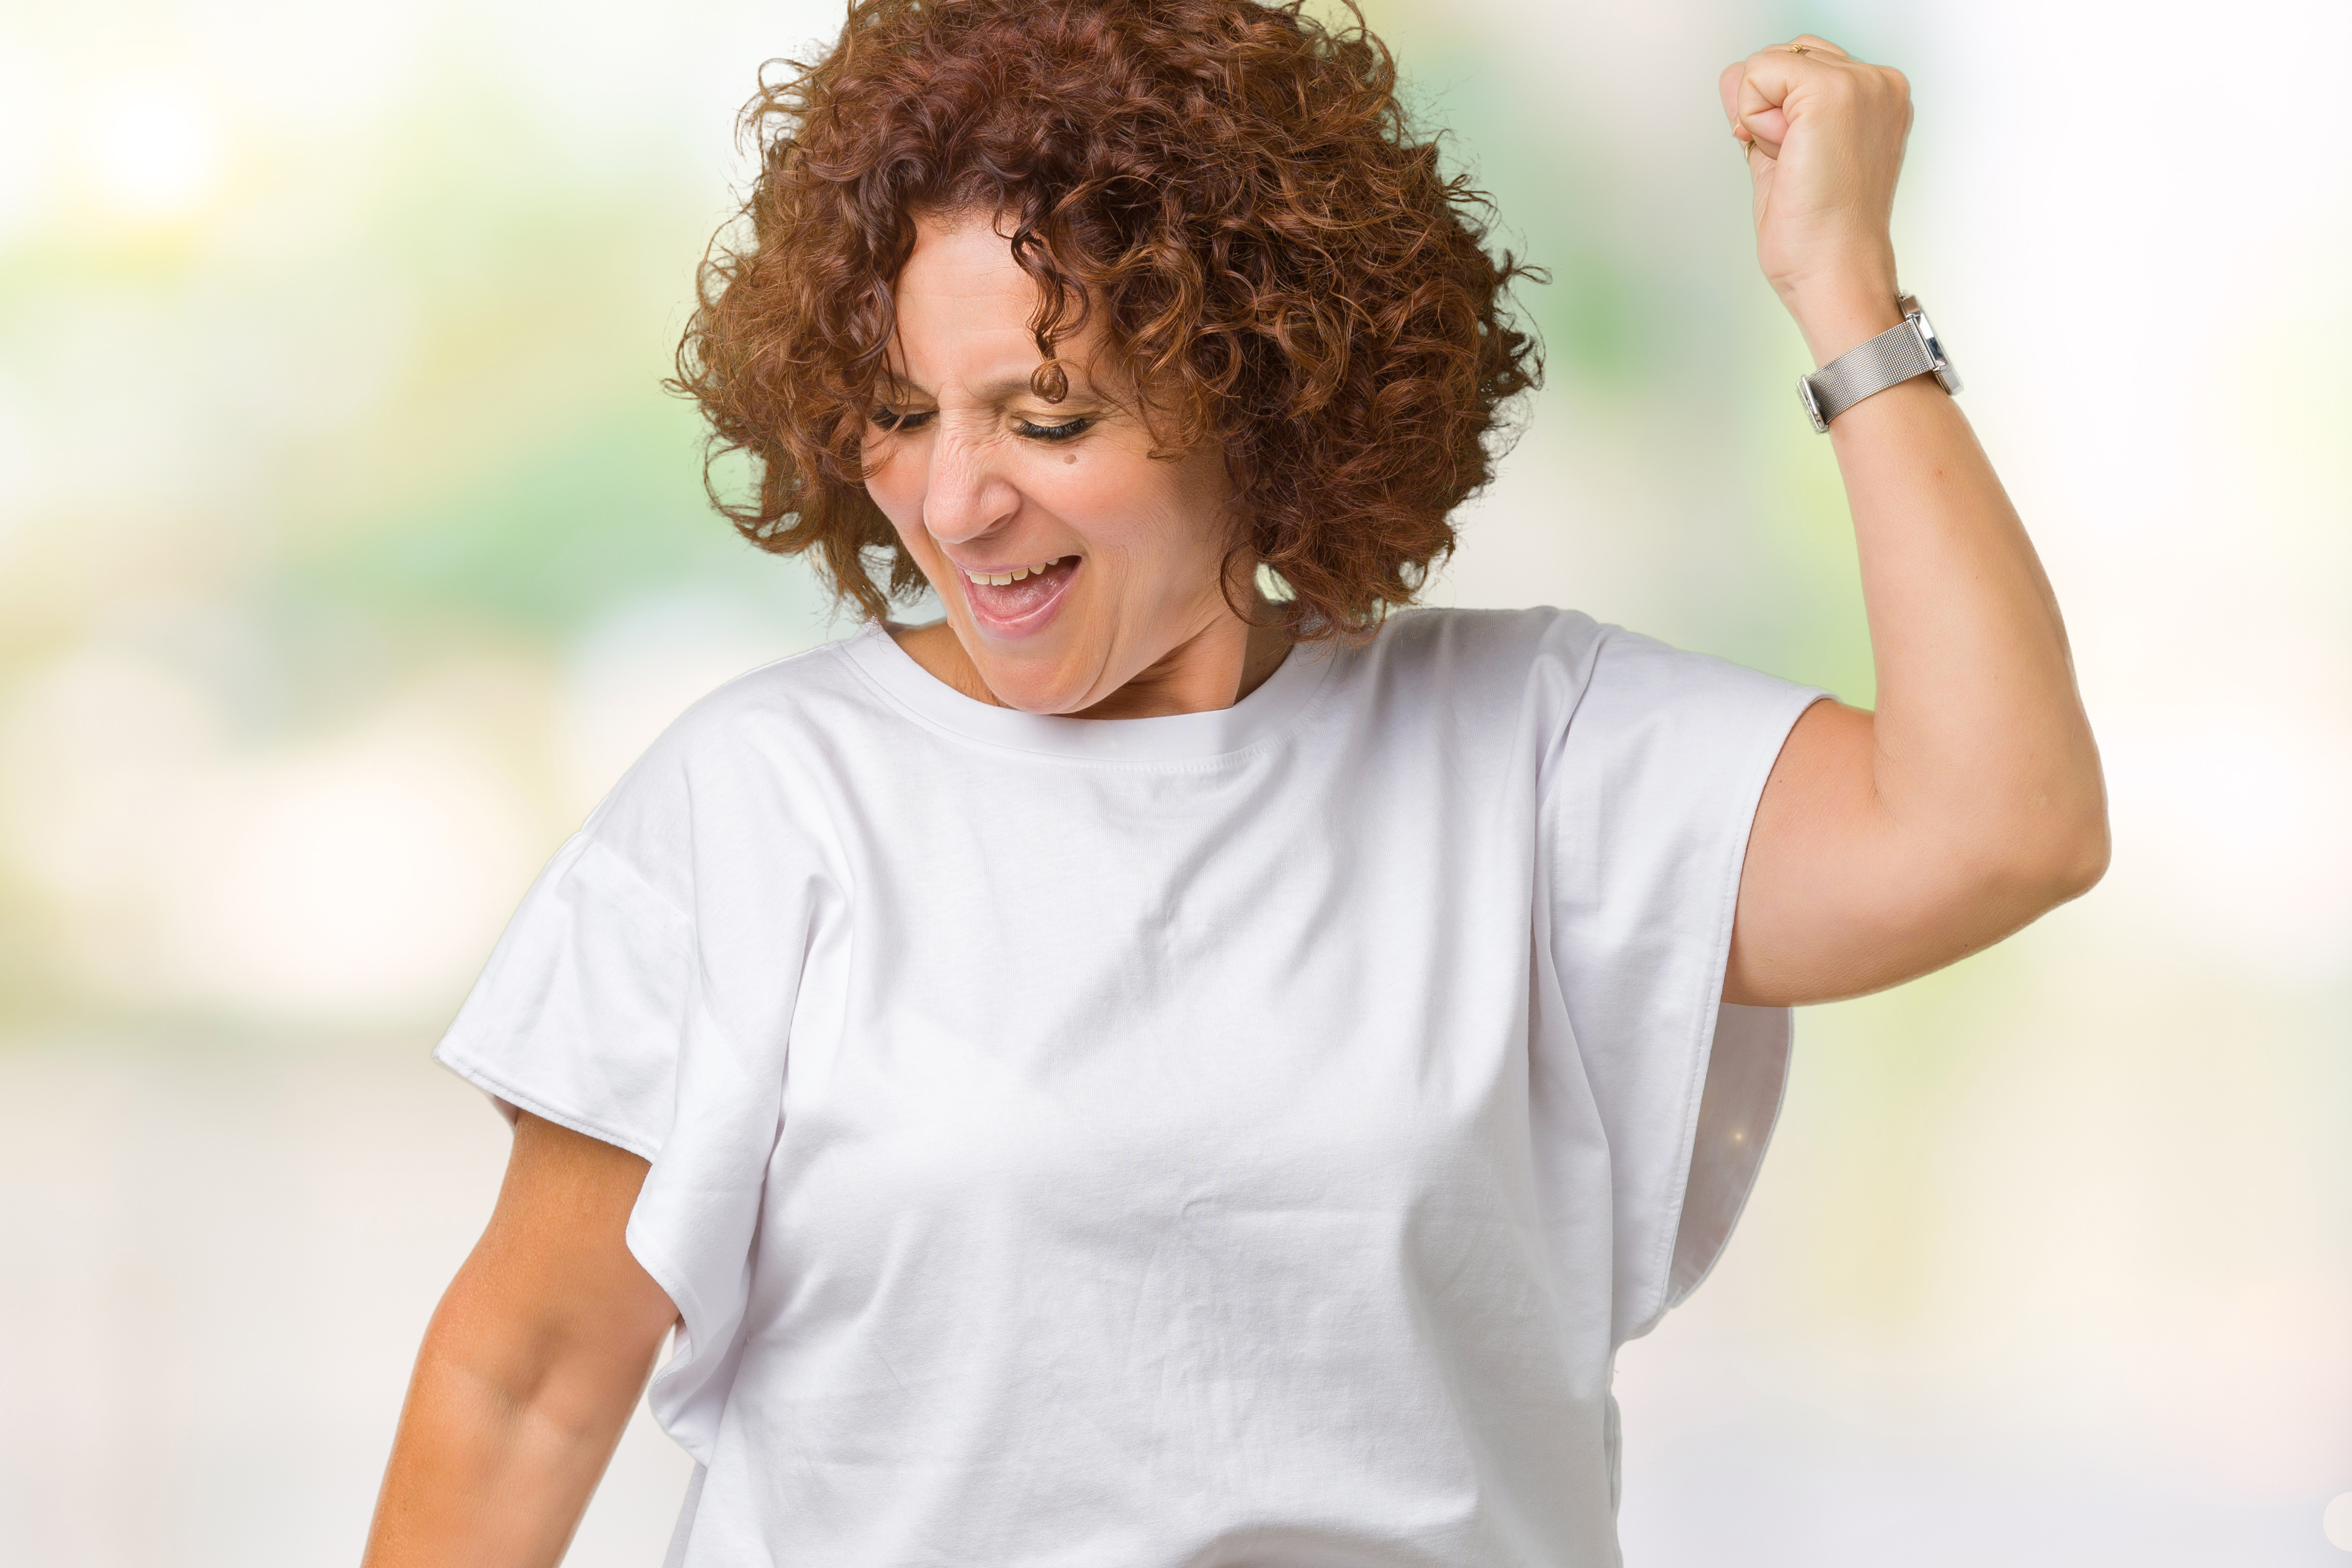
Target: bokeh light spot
{"points": [[154, 149], [2337, 1523]]}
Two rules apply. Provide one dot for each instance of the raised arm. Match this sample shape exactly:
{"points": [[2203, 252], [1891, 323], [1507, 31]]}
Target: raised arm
{"points": [[530, 1369], [1892, 842]]}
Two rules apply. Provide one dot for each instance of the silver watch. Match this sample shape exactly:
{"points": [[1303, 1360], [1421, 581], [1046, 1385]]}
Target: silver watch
{"points": [[1896, 355]]}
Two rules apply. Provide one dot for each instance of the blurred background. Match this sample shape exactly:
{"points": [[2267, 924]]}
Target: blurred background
{"points": [[349, 548]]}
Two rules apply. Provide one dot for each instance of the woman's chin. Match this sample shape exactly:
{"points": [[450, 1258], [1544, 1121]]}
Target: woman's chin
{"points": [[1033, 690], [1047, 673]]}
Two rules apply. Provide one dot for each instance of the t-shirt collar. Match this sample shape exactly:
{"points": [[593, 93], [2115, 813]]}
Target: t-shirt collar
{"points": [[1171, 738]]}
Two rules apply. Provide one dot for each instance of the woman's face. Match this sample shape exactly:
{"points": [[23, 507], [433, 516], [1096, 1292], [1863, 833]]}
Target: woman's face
{"points": [[1070, 562]]}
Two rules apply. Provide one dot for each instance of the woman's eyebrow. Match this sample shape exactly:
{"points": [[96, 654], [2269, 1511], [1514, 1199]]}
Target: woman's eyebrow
{"points": [[1001, 389]]}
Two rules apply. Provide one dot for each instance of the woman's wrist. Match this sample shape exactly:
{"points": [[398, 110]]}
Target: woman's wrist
{"points": [[1837, 312]]}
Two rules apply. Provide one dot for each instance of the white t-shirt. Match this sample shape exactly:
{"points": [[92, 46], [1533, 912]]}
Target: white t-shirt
{"points": [[1230, 1138]]}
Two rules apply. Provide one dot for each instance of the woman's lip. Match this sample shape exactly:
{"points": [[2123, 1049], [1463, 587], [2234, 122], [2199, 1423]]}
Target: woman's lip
{"points": [[1031, 621]]}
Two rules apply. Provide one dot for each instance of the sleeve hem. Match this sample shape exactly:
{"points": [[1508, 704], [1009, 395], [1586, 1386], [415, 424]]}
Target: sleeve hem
{"points": [[1658, 1295], [691, 1345], [509, 1096], [1739, 1107]]}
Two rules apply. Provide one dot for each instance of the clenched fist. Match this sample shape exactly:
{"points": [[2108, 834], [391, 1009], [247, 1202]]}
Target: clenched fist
{"points": [[1823, 136]]}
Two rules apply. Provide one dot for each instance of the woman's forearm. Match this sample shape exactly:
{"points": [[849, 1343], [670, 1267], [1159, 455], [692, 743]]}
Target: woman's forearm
{"points": [[1979, 743]]}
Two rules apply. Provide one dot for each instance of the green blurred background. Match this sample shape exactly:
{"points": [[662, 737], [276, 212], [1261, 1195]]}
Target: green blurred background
{"points": [[349, 548]]}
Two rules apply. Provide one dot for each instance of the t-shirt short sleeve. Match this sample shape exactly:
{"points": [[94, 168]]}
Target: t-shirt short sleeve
{"points": [[578, 1014], [1646, 806], [643, 994]]}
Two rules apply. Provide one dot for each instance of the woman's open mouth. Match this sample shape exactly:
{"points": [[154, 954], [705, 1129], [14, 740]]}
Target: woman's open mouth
{"points": [[1019, 599]]}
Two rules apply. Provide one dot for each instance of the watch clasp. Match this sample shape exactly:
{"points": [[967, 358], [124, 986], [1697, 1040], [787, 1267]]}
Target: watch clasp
{"points": [[1812, 403]]}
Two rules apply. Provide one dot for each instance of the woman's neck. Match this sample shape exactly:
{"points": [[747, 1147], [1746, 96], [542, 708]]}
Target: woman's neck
{"points": [[1214, 668]]}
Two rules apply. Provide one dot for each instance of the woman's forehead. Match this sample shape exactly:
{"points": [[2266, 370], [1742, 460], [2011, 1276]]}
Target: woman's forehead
{"points": [[966, 313], [963, 263]]}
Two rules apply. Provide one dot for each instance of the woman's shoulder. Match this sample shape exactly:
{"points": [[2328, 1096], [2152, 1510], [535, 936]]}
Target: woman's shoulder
{"points": [[1561, 668], [745, 748], [1468, 679], [1511, 644], [1451, 651], [790, 697], [1440, 630]]}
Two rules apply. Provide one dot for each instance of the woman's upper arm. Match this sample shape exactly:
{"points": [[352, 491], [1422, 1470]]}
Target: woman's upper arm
{"points": [[1838, 897], [553, 1272], [527, 1376]]}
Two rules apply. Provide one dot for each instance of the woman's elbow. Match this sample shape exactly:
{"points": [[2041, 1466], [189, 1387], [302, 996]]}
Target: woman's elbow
{"points": [[2083, 859], [2058, 855]]}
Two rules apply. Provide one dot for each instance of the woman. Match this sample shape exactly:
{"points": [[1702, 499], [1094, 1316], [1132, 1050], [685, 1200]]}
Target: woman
{"points": [[1141, 1071]]}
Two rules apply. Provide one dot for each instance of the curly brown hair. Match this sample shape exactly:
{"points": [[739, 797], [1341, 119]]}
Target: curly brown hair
{"points": [[1231, 191]]}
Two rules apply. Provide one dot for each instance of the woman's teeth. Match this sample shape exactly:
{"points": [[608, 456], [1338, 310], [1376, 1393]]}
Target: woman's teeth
{"points": [[1001, 578]]}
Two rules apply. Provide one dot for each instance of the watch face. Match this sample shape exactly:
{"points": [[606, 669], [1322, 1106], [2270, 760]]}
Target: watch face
{"points": [[1939, 361], [1927, 339]]}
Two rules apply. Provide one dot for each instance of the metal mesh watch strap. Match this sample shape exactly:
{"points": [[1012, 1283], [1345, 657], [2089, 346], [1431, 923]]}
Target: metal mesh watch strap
{"points": [[1907, 348]]}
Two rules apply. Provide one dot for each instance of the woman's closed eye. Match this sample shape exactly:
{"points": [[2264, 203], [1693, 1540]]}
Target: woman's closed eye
{"points": [[902, 420], [1061, 432]]}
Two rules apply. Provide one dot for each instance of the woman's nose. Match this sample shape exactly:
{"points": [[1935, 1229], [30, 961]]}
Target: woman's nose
{"points": [[965, 494]]}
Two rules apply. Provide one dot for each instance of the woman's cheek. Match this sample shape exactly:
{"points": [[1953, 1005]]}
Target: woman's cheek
{"points": [[900, 501], [1106, 501]]}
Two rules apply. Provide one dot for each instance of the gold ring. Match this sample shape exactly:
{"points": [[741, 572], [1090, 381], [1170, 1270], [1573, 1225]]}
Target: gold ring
{"points": [[1801, 48]]}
